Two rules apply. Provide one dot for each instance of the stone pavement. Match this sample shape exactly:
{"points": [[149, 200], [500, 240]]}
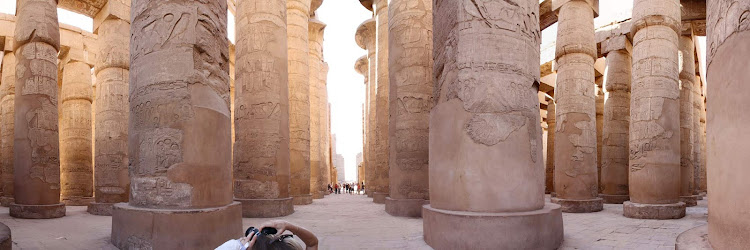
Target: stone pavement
{"points": [[354, 222]]}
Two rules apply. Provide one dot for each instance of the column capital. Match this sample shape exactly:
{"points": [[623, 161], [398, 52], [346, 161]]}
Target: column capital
{"points": [[316, 28], [594, 4], [314, 5], [113, 9], [615, 43], [365, 35], [362, 66]]}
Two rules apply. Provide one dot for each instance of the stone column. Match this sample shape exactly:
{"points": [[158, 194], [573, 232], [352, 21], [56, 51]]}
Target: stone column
{"points": [[111, 181], [599, 130], [687, 77], [362, 67], [297, 12], [179, 128], [365, 38], [7, 123], [655, 113], [380, 181], [615, 153], [76, 170], [728, 50], [702, 138], [261, 156], [549, 180], [485, 133], [36, 181], [325, 166], [317, 111], [410, 68], [576, 178]]}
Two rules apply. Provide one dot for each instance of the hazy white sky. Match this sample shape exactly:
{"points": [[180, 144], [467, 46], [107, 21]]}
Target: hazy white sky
{"points": [[345, 86]]}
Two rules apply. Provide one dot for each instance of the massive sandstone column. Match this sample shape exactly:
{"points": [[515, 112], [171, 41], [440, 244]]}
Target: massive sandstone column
{"points": [[616, 120], [76, 170], [36, 155], [362, 67], [317, 112], [179, 128], [410, 67], [599, 130], [655, 113], [298, 12], [687, 77], [7, 123], [111, 106], [728, 53], [549, 180], [365, 38], [261, 150], [380, 181], [485, 133], [576, 178], [699, 168]]}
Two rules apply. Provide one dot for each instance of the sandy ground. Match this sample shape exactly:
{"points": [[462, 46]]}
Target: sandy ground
{"points": [[353, 222]]}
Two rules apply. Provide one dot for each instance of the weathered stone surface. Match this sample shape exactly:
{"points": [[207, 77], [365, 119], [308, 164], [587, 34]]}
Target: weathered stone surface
{"points": [[599, 130], [36, 155], [76, 170], [297, 12], [549, 170], [687, 77], [616, 124], [654, 180], [484, 130], [318, 107], [365, 38], [654, 211], [6, 241], [410, 71], [179, 129], [325, 124], [261, 150], [7, 122], [694, 239], [728, 56], [111, 180], [576, 177], [380, 156]]}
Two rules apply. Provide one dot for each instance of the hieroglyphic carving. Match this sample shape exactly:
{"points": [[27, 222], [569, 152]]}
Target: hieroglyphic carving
{"points": [[262, 121], [7, 123], [315, 60], [76, 168], [298, 47], [686, 77], [725, 18], [616, 124], [381, 99]]}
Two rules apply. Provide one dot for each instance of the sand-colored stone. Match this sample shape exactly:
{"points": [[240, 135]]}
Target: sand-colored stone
{"points": [[362, 66], [410, 71], [36, 153], [615, 129], [111, 108], [76, 170], [7, 122], [576, 178], [599, 130], [380, 184], [179, 128], [365, 38], [687, 77], [327, 161], [317, 111], [485, 133], [728, 51], [261, 150], [297, 12], [655, 112], [549, 169]]}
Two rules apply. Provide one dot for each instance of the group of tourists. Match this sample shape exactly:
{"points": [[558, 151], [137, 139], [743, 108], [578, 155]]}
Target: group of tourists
{"points": [[349, 188]]}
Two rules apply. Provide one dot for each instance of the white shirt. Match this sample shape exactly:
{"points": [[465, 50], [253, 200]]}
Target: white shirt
{"points": [[232, 245]]}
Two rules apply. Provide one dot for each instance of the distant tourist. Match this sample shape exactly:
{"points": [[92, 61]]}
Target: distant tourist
{"points": [[272, 237]]}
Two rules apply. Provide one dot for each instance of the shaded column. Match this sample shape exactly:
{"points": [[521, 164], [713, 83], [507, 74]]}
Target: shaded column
{"points": [[76, 170], [297, 12], [317, 111], [485, 133], [655, 113], [702, 138], [365, 38], [380, 181], [327, 163], [728, 53], [576, 175], [111, 106], [410, 71], [36, 181], [7, 123], [599, 129], [261, 150], [362, 67], [179, 128], [549, 180], [687, 156], [616, 123]]}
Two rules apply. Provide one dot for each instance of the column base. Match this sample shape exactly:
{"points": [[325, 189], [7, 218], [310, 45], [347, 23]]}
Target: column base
{"points": [[539, 229], [302, 199], [694, 239], [147, 228], [77, 201], [6, 241], [405, 207], [103, 209], [266, 208], [690, 201], [614, 198], [37, 211], [653, 211], [369, 194], [6, 201], [580, 206], [317, 195], [379, 198]]}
